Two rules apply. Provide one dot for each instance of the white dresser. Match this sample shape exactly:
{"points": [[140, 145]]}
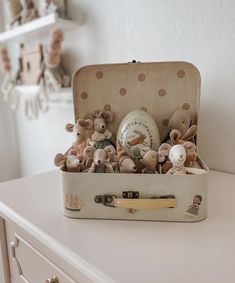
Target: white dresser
{"points": [[38, 244]]}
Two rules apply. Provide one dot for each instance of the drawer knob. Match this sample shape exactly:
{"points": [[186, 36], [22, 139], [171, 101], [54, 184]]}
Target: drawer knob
{"points": [[54, 279]]}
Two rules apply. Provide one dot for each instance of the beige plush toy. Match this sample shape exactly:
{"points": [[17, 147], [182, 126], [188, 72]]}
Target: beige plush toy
{"points": [[163, 156], [21, 11], [149, 158], [55, 77], [177, 156], [102, 136], [54, 6], [113, 159], [100, 162], [177, 137], [72, 162], [89, 157], [8, 85], [81, 130], [126, 164], [180, 129], [164, 163]]}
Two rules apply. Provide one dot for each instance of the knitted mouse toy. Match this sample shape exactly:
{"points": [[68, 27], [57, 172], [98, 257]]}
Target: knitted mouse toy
{"points": [[126, 164], [180, 128], [177, 156], [81, 130], [102, 136], [149, 158]]}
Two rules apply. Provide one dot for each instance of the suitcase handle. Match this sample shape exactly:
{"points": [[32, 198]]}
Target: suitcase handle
{"points": [[145, 203], [137, 203]]}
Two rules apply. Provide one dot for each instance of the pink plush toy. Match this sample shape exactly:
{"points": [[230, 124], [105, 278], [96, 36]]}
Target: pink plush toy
{"points": [[149, 158], [177, 156], [100, 162], [81, 130], [72, 162], [102, 136], [126, 164]]}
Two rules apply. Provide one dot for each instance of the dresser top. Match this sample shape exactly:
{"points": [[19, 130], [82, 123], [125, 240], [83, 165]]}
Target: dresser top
{"points": [[131, 251]]}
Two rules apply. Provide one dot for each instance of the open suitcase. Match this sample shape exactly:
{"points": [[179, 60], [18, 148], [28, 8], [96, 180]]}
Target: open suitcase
{"points": [[160, 89]]}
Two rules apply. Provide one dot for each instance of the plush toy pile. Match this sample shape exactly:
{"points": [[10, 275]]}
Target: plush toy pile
{"points": [[96, 150]]}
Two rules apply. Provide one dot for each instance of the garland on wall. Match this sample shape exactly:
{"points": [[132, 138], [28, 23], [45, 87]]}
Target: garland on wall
{"points": [[38, 67]]}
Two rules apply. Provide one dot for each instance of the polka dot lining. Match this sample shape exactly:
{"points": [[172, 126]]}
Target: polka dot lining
{"points": [[107, 107], [162, 92], [84, 95], [181, 73], [186, 106], [143, 108], [99, 75], [123, 91], [141, 77]]}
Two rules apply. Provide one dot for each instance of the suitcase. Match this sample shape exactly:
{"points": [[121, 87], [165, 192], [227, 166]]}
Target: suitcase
{"points": [[160, 89]]}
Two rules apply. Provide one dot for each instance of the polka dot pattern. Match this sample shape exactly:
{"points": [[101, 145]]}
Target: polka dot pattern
{"points": [[107, 107], [99, 75], [143, 108], [162, 92], [165, 122], [181, 73], [123, 91], [186, 106], [84, 95], [141, 77]]}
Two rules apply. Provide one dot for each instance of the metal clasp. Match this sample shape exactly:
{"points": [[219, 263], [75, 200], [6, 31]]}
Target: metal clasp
{"points": [[131, 195], [106, 199]]}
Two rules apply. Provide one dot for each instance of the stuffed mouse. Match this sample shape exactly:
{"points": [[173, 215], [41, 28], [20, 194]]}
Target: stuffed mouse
{"points": [[177, 156], [81, 131], [149, 158], [102, 136], [100, 162]]}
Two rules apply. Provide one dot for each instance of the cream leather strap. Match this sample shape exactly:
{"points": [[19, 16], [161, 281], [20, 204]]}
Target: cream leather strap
{"points": [[135, 202], [144, 203]]}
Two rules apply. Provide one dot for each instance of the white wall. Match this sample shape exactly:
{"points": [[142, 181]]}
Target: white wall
{"points": [[9, 157], [199, 31]]}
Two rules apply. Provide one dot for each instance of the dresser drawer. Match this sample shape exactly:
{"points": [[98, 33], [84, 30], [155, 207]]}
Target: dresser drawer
{"points": [[28, 264]]}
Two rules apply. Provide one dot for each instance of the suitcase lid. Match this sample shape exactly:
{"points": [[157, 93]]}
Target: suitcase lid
{"points": [[159, 88]]}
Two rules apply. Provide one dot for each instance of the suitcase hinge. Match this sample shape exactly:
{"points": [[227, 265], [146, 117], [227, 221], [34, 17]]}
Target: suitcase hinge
{"points": [[106, 200]]}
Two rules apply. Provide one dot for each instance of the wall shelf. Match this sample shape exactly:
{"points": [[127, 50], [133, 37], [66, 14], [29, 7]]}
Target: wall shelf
{"points": [[37, 28]]}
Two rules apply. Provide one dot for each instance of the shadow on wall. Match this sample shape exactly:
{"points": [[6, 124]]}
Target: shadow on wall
{"points": [[214, 132]]}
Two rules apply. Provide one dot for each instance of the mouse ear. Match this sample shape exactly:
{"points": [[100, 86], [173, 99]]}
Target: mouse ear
{"points": [[72, 152], [69, 127], [89, 151], [81, 122], [59, 160], [191, 132], [89, 124], [144, 150], [189, 147], [108, 116], [164, 147], [175, 135], [110, 148], [163, 151]]}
